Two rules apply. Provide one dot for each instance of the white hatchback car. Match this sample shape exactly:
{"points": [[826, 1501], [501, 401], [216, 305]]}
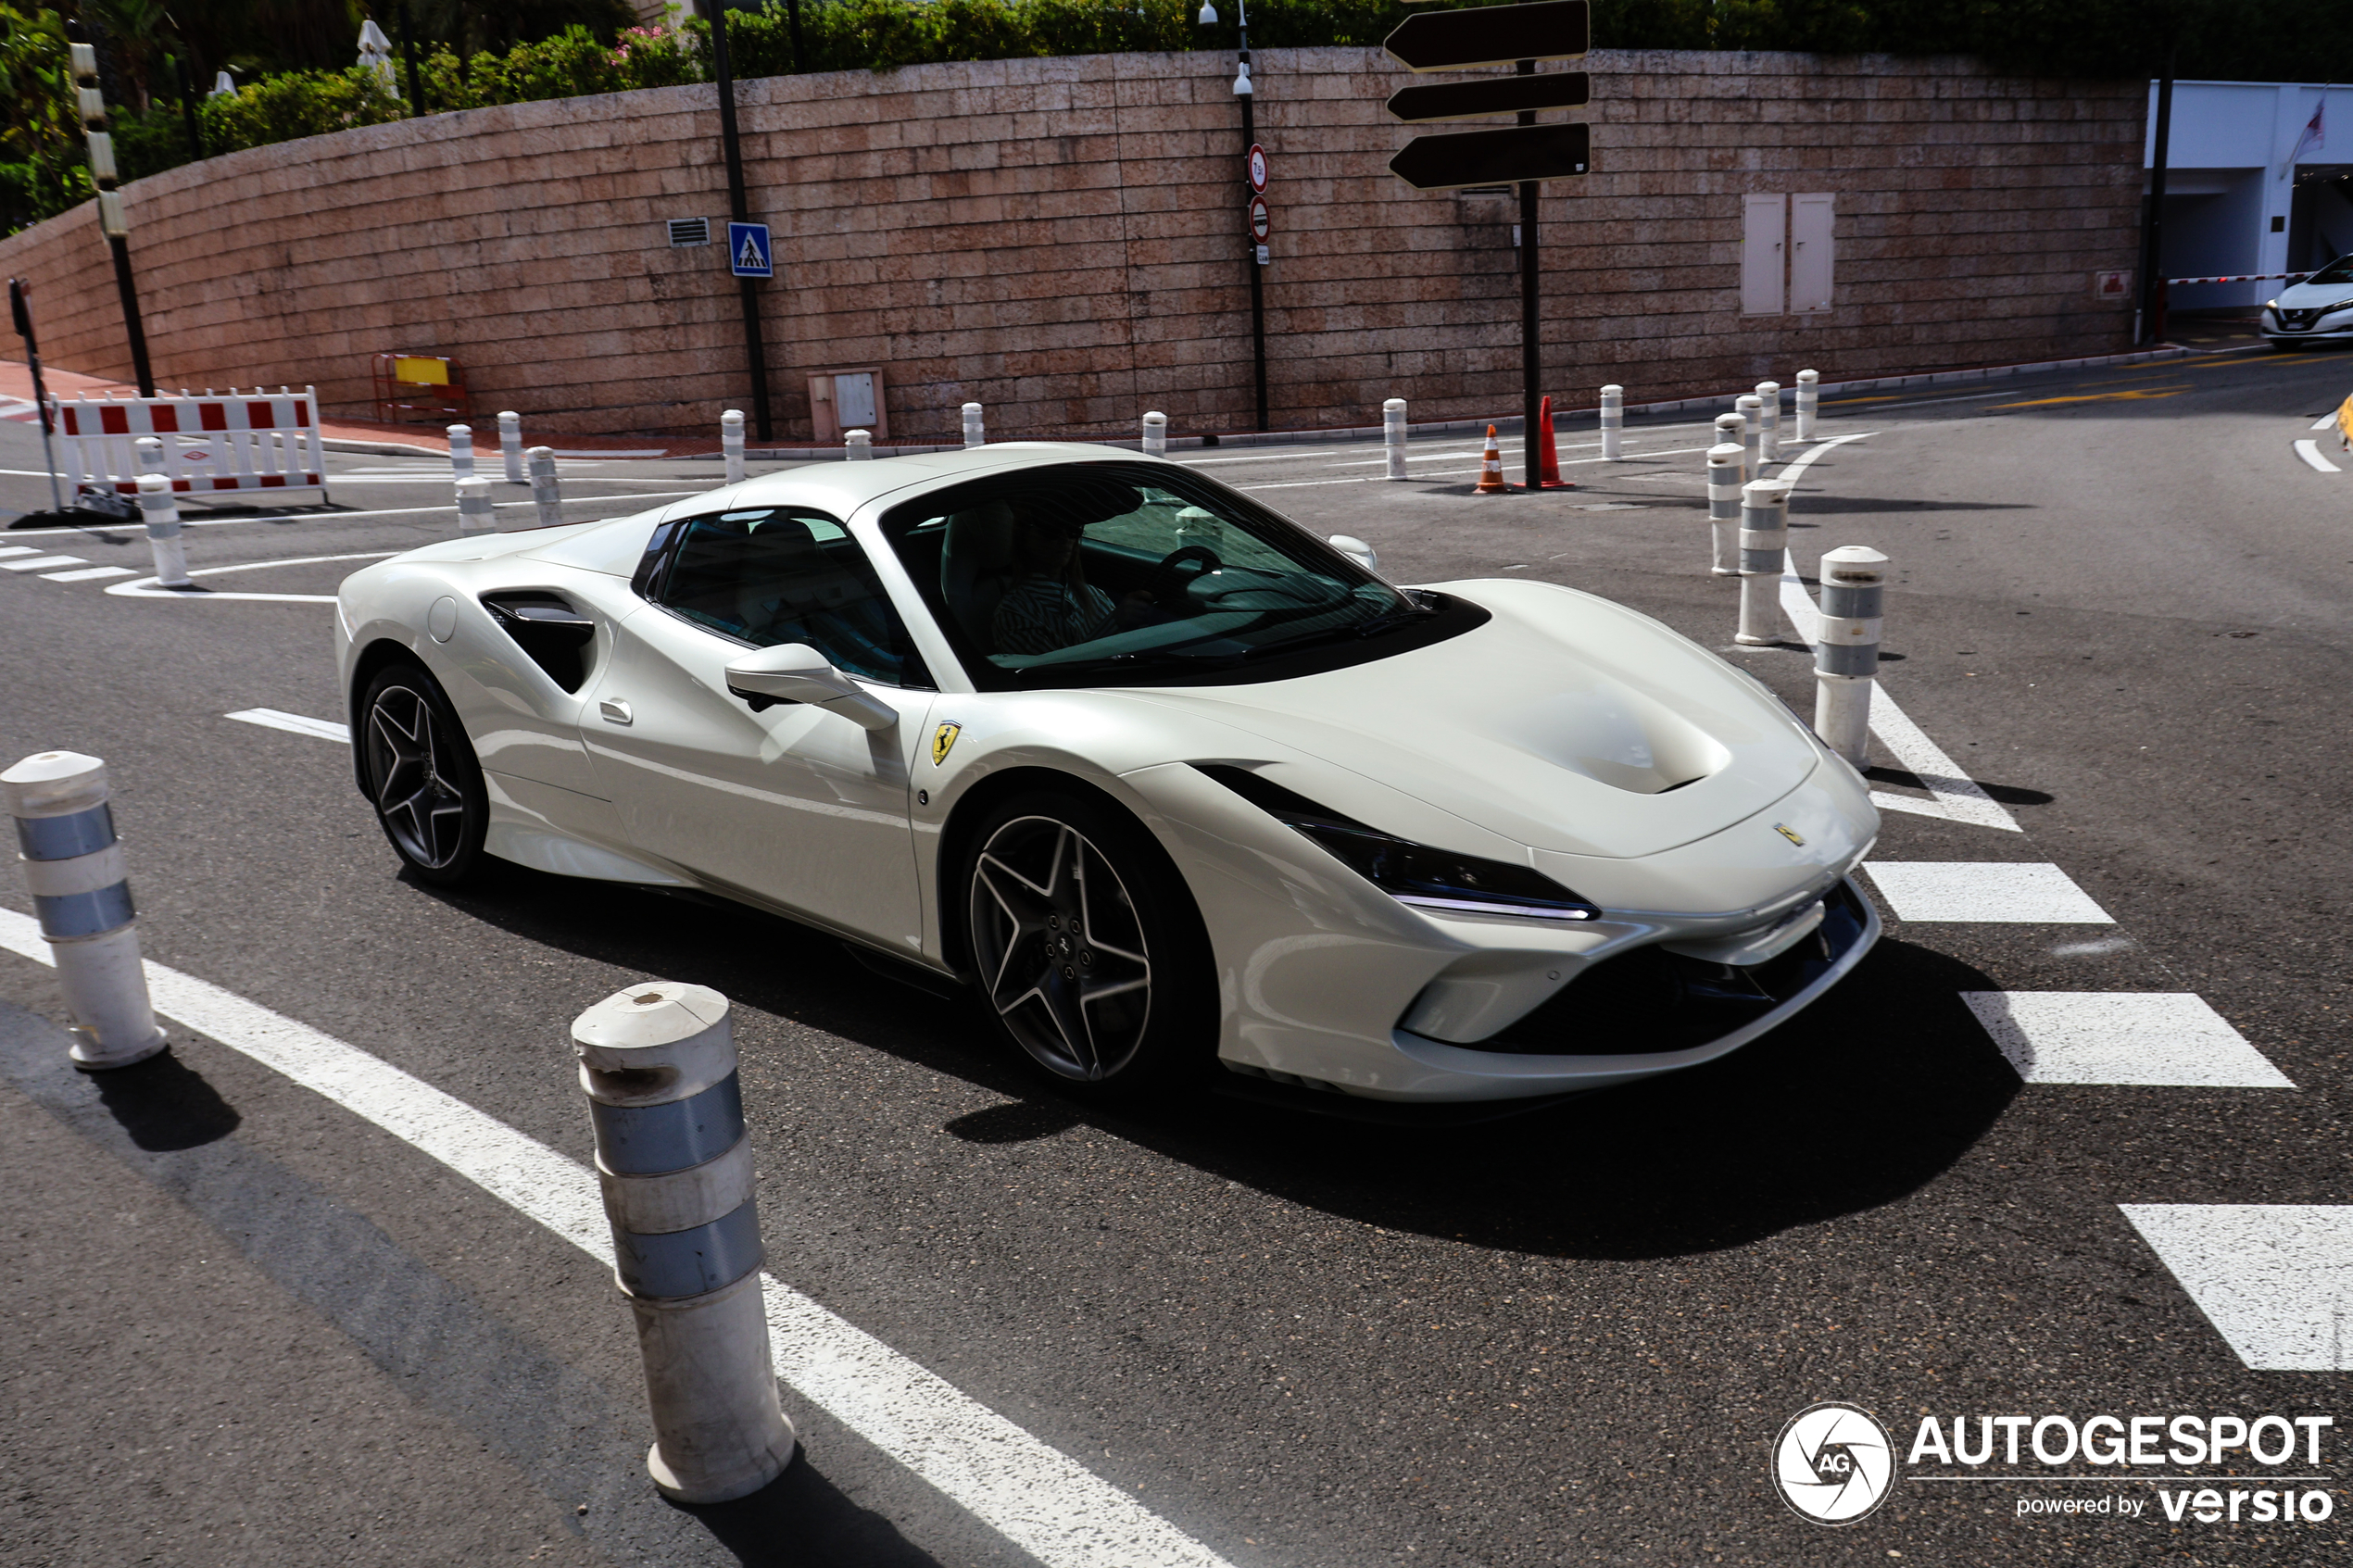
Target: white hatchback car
{"points": [[2318, 309]]}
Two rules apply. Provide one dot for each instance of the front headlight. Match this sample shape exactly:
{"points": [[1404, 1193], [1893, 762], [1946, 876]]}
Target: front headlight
{"points": [[2270, 305], [1416, 875]]}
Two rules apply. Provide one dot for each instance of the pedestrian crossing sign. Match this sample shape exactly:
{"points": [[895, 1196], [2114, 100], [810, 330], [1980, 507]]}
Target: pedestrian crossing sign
{"points": [[747, 250]]}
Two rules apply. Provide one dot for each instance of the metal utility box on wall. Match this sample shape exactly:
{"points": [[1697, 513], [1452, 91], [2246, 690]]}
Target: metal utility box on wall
{"points": [[1787, 256], [848, 400]]}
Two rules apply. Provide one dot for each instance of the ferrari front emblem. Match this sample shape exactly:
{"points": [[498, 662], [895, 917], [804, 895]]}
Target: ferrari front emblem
{"points": [[1782, 828], [943, 740]]}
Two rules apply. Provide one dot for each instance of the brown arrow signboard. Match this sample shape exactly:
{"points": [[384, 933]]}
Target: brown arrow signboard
{"points": [[1492, 158], [1492, 36]]}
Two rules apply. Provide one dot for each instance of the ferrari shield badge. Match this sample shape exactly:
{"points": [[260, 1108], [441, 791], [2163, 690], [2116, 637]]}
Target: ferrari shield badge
{"points": [[1782, 828], [943, 740]]}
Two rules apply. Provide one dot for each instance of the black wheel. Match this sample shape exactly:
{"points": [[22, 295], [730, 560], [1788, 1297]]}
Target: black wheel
{"points": [[1087, 947], [422, 775]]}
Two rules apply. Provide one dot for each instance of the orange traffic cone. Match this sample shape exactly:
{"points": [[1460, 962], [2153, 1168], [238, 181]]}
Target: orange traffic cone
{"points": [[1490, 468], [1548, 455]]}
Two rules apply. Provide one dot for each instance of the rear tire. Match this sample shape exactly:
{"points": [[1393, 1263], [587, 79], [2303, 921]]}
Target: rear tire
{"points": [[422, 775], [1086, 946]]}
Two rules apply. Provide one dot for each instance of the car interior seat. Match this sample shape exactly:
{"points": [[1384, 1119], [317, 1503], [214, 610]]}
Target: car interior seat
{"points": [[975, 567]]}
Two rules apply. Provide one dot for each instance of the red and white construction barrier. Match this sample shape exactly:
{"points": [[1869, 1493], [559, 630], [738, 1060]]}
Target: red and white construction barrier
{"points": [[2243, 278], [245, 441]]}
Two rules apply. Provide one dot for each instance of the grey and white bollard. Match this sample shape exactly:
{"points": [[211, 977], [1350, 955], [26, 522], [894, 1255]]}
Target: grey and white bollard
{"points": [[149, 450], [1751, 409], [858, 445], [1392, 438], [1764, 547], [1810, 401], [1725, 477], [476, 512], [545, 498], [1155, 434], [1846, 656], [1768, 396], [511, 445], [658, 1061], [73, 869], [1728, 428], [161, 514], [731, 444], [461, 451], [1612, 421], [976, 426]]}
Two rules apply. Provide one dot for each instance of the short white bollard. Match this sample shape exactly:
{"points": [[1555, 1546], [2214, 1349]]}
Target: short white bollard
{"points": [[161, 514], [658, 1061], [1846, 657], [1768, 396], [731, 444], [1612, 422], [858, 445], [1764, 547], [476, 514], [975, 427], [511, 445], [1392, 438], [150, 454], [1810, 401], [1728, 428], [461, 451], [73, 869], [1725, 477], [1751, 409], [1155, 434], [545, 498]]}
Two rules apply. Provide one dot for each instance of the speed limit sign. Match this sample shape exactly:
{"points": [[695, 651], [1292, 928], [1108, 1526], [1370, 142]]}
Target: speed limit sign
{"points": [[1257, 167], [1262, 222]]}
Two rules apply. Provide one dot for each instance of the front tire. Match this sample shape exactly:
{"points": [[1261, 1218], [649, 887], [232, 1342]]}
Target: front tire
{"points": [[1086, 946], [422, 776]]}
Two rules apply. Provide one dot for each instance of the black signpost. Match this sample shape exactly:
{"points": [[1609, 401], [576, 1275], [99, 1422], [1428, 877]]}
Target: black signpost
{"points": [[1522, 155]]}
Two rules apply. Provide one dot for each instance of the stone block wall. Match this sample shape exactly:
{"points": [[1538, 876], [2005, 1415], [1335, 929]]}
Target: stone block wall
{"points": [[1063, 240]]}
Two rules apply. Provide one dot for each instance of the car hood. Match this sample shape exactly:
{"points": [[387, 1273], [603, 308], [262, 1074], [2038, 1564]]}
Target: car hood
{"points": [[2305, 297], [1566, 723]]}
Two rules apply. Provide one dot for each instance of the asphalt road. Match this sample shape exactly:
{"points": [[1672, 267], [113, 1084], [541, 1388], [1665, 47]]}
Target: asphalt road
{"points": [[246, 1326]]}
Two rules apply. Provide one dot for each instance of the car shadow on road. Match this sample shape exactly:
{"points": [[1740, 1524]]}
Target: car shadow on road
{"points": [[1865, 1097]]}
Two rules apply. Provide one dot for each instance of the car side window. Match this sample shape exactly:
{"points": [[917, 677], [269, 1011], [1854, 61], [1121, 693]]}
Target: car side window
{"points": [[770, 575]]}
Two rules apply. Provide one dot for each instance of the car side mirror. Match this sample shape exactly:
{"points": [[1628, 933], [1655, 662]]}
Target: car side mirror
{"points": [[797, 672], [1357, 550]]}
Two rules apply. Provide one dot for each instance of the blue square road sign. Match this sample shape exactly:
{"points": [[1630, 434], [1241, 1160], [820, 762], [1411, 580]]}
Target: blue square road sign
{"points": [[747, 252]]}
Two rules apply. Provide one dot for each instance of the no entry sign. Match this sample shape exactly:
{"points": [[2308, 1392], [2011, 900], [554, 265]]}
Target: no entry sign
{"points": [[1257, 169], [1262, 222]]}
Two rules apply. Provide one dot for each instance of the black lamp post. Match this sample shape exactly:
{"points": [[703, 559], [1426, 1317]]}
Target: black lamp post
{"points": [[1208, 17]]}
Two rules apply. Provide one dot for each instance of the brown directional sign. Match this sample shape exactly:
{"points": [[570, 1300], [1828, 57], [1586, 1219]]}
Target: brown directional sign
{"points": [[1492, 36], [1492, 158], [1504, 94]]}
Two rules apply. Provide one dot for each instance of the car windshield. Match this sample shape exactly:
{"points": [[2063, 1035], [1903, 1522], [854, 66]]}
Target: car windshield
{"points": [[1078, 572], [2337, 272]]}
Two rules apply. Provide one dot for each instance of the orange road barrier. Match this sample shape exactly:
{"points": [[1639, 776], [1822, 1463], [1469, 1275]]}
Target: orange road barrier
{"points": [[1490, 468]]}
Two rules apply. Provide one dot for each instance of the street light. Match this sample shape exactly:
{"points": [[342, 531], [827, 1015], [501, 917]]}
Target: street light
{"points": [[1242, 91]]}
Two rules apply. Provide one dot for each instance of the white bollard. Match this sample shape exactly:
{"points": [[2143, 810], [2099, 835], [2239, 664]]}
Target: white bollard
{"points": [[1725, 477], [1846, 657], [1769, 396], [1764, 545], [1728, 428], [1612, 422], [476, 512], [658, 1062], [976, 428], [73, 869], [858, 445], [1751, 409], [461, 451], [1809, 402], [1392, 438], [1155, 434], [545, 497], [150, 454], [161, 515], [511, 445], [731, 444]]}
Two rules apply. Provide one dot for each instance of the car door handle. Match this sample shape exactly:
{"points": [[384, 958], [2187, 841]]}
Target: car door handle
{"points": [[612, 710]]}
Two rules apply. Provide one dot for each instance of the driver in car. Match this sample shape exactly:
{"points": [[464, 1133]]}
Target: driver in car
{"points": [[1050, 605]]}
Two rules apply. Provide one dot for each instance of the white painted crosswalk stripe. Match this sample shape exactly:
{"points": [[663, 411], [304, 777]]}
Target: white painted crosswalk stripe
{"points": [[2275, 1279], [39, 562], [2154, 1037], [87, 574], [294, 724], [2015, 892]]}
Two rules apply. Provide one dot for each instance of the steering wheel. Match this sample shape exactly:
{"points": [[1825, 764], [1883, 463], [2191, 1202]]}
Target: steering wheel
{"points": [[1171, 585]]}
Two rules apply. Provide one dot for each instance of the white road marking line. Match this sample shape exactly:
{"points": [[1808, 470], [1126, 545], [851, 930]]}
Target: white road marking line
{"points": [[2274, 1279], [145, 588], [2311, 452], [2326, 421], [87, 574], [1037, 1498], [20, 550], [2031, 892], [269, 718], [2155, 1037], [98, 528], [1306, 484], [38, 562]]}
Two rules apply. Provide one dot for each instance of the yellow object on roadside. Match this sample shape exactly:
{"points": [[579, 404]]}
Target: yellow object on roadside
{"points": [[2345, 422], [436, 373]]}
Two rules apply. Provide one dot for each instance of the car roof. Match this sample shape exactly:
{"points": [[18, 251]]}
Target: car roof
{"points": [[845, 487]]}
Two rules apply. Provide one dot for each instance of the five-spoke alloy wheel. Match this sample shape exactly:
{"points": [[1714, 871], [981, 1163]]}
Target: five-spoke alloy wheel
{"points": [[422, 775]]}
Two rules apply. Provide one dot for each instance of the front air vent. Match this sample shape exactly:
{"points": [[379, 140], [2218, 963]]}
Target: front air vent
{"points": [[544, 626]]}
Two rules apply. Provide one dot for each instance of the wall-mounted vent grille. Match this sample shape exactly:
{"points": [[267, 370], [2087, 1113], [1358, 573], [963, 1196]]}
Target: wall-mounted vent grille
{"points": [[690, 231]]}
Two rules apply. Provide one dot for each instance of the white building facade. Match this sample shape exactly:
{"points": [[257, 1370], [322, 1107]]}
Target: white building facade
{"points": [[2253, 185]]}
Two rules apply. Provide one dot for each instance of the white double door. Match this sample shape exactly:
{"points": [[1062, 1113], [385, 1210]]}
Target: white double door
{"points": [[797, 806]]}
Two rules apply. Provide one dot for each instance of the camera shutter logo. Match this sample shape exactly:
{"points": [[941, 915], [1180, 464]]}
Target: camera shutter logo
{"points": [[1834, 1463]]}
